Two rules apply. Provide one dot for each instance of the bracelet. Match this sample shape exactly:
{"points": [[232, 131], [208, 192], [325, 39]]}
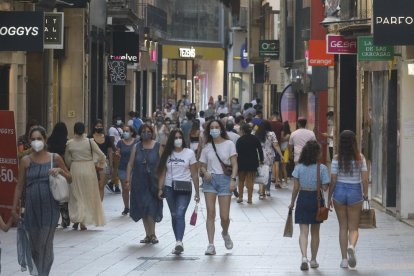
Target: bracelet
{"points": [[234, 178]]}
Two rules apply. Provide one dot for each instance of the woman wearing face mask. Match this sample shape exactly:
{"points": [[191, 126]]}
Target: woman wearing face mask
{"points": [[105, 145], [193, 109], [41, 209], [123, 151], [85, 206], [235, 107], [215, 182], [142, 166], [177, 163]]}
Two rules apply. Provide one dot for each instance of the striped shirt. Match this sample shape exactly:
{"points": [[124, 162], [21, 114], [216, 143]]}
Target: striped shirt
{"points": [[357, 169]]}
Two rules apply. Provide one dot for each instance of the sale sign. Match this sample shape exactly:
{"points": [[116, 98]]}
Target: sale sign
{"points": [[8, 162]]}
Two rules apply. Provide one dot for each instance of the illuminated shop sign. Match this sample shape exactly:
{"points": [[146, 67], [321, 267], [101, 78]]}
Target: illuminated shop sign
{"points": [[269, 48], [21, 31], [53, 37], [393, 23], [368, 51], [338, 44], [187, 52]]}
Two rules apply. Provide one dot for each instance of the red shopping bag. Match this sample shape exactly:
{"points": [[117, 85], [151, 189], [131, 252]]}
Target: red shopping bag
{"points": [[193, 219]]}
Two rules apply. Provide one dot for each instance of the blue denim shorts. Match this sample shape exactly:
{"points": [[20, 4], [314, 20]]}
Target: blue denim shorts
{"points": [[122, 175], [347, 193], [219, 184]]}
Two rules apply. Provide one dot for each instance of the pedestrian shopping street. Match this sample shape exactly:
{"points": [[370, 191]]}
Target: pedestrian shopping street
{"points": [[256, 230]]}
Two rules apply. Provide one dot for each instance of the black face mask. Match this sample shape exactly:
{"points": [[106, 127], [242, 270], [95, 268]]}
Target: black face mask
{"points": [[99, 129]]}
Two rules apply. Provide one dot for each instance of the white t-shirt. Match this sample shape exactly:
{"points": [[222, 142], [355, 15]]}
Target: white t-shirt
{"points": [[298, 139], [225, 150], [202, 122], [223, 110], [116, 132], [178, 166], [233, 136], [357, 169]]}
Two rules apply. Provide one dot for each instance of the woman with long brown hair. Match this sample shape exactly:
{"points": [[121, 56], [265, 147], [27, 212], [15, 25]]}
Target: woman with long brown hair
{"points": [[348, 173]]}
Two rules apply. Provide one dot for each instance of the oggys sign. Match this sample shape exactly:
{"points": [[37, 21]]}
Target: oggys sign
{"points": [[21, 31]]}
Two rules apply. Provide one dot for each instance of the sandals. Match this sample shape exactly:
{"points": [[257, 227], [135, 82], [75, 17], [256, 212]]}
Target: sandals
{"points": [[83, 227], [150, 239], [75, 226], [261, 197]]}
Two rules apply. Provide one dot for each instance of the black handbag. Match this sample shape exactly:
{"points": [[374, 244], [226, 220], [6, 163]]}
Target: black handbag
{"points": [[227, 169], [182, 186]]}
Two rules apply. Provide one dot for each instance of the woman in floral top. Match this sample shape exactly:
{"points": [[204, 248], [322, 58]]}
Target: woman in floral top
{"points": [[269, 144]]}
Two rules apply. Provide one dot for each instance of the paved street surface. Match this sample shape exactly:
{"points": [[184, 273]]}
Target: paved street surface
{"points": [[259, 248]]}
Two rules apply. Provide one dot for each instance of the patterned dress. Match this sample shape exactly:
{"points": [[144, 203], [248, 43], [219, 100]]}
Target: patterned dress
{"points": [[143, 202], [41, 215]]}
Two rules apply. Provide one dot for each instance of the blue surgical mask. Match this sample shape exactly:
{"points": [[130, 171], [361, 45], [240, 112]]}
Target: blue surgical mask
{"points": [[215, 132], [146, 136], [126, 135]]}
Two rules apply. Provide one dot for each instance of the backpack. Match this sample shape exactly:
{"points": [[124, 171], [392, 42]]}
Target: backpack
{"points": [[137, 123]]}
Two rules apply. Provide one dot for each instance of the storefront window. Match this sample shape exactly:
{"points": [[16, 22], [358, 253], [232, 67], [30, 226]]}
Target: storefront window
{"points": [[240, 87]]}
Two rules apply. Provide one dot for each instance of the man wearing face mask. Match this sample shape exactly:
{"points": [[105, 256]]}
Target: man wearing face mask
{"points": [[115, 134]]}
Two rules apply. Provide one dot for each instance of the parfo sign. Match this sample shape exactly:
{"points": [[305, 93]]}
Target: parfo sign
{"points": [[8, 162], [393, 22], [21, 31]]}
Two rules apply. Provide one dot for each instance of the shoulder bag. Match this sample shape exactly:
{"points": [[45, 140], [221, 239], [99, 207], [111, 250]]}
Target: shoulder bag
{"points": [[322, 211], [58, 185], [227, 169], [180, 186]]}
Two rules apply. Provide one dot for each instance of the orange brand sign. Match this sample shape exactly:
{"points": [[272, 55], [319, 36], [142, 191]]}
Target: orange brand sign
{"points": [[318, 55]]}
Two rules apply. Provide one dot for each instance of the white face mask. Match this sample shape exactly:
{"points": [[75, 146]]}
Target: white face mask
{"points": [[178, 143], [37, 145]]}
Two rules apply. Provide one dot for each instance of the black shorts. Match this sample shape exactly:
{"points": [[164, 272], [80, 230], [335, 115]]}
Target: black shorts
{"points": [[277, 157]]}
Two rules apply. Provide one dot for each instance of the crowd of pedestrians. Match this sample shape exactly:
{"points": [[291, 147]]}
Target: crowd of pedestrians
{"points": [[217, 151]]}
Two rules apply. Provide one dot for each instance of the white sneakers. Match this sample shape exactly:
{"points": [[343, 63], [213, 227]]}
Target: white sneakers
{"points": [[313, 264], [351, 257], [228, 243], [344, 263], [179, 248], [211, 250]]}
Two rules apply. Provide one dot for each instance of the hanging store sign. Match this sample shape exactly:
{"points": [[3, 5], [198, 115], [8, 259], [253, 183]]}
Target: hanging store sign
{"points": [[269, 48], [187, 52], [8, 162], [393, 23], [21, 31], [318, 55], [125, 47], [338, 44], [244, 56], [53, 36], [368, 51], [117, 72]]}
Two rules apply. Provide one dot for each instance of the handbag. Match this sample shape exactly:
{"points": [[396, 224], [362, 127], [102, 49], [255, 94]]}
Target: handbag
{"points": [[367, 218], [227, 169], [262, 175], [288, 225], [58, 185], [182, 186], [322, 211], [193, 219]]}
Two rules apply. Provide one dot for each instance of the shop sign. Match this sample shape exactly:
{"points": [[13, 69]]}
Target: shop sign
{"points": [[244, 56], [8, 162], [393, 23], [117, 72], [21, 31], [318, 55], [53, 37], [187, 52], [269, 48], [338, 44], [368, 51], [125, 47]]}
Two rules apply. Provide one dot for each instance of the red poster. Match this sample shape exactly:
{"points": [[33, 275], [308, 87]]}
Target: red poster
{"points": [[8, 162]]}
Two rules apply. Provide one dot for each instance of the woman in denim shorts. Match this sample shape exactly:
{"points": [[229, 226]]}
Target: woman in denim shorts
{"points": [[215, 182], [348, 171]]}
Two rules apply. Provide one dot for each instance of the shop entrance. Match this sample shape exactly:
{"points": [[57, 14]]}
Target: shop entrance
{"points": [[4, 87]]}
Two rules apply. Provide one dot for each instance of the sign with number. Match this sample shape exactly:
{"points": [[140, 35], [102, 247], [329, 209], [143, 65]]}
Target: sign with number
{"points": [[8, 162]]}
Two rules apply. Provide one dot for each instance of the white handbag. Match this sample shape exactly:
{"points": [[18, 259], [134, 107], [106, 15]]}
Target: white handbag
{"points": [[59, 187], [262, 175]]}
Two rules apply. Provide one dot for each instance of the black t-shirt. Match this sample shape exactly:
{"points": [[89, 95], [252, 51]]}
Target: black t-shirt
{"points": [[105, 145]]}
